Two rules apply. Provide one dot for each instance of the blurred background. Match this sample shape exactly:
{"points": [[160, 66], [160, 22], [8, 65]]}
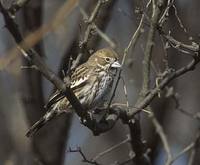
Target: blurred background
{"points": [[23, 92]]}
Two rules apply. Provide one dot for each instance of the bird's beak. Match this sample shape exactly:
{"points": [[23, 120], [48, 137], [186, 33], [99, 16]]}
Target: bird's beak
{"points": [[116, 64]]}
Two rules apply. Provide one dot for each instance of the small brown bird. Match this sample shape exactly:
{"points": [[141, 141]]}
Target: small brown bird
{"points": [[90, 82]]}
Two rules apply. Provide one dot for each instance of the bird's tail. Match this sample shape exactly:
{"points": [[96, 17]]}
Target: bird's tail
{"points": [[40, 123]]}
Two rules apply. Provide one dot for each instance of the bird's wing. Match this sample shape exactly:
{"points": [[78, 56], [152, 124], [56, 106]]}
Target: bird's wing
{"points": [[79, 77], [78, 80], [57, 96]]}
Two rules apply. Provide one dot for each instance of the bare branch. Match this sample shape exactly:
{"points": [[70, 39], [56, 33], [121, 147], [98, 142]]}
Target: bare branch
{"points": [[149, 46], [101, 34], [171, 76], [90, 21], [165, 14], [194, 47], [134, 125], [17, 5]]}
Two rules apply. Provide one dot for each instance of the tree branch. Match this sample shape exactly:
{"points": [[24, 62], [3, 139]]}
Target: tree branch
{"points": [[17, 5]]}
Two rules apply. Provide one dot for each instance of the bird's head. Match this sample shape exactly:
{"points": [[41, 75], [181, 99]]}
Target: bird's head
{"points": [[105, 59]]}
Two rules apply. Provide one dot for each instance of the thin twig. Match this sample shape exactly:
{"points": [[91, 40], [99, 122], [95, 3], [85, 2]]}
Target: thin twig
{"points": [[125, 91], [101, 33], [132, 43], [89, 21], [194, 47], [179, 20], [163, 138], [191, 158], [85, 160], [111, 148], [185, 150], [165, 14], [191, 146], [89, 30], [134, 125], [95, 11], [193, 153]]}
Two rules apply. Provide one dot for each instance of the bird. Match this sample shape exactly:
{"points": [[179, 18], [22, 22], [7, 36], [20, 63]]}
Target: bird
{"points": [[91, 82]]}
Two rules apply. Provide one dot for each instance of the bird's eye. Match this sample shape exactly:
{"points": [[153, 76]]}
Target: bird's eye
{"points": [[107, 59]]}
